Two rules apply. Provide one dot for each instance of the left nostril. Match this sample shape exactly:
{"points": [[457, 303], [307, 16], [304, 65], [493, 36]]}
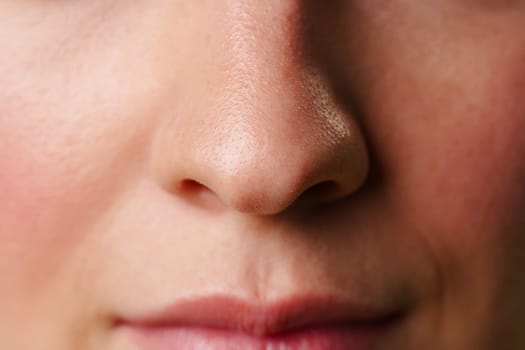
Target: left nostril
{"points": [[324, 191]]}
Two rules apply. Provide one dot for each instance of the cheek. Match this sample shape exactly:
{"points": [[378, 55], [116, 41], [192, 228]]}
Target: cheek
{"points": [[68, 149], [56, 183], [41, 203], [449, 135], [474, 168], [462, 178], [453, 154], [471, 189], [470, 209]]}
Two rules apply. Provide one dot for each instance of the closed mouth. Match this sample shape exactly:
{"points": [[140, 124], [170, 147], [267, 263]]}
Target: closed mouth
{"points": [[298, 323]]}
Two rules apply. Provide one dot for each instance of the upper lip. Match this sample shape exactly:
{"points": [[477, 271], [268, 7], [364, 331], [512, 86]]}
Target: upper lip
{"points": [[264, 318]]}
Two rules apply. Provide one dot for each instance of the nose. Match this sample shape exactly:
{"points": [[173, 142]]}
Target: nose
{"points": [[269, 132]]}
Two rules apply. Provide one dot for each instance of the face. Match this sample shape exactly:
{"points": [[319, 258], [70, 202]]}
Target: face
{"points": [[268, 158]]}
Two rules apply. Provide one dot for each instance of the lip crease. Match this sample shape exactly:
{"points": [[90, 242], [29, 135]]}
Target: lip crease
{"points": [[223, 322]]}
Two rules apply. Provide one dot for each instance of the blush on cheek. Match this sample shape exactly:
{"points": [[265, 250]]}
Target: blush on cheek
{"points": [[45, 213]]}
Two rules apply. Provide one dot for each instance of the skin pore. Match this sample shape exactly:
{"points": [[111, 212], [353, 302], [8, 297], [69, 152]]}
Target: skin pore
{"points": [[156, 150]]}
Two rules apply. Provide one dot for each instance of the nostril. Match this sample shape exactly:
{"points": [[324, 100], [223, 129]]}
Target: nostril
{"points": [[191, 186], [323, 191], [198, 194]]}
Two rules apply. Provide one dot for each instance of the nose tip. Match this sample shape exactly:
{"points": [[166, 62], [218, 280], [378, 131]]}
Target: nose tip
{"points": [[269, 183], [290, 170]]}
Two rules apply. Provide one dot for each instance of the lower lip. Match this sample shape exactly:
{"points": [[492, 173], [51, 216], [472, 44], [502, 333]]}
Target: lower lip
{"points": [[319, 338]]}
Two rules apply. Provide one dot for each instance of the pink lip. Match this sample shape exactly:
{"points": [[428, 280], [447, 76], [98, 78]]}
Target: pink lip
{"points": [[222, 322]]}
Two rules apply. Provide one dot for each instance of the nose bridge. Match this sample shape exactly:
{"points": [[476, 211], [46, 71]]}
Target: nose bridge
{"points": [[261, 46], [257, 26], [269, 92], [273, 129]]}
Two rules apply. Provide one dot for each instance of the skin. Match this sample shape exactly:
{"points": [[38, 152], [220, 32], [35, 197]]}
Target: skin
{"points": [[157, 150]]}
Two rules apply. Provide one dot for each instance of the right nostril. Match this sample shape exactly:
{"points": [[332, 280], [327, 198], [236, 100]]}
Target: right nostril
{"points": [[191, 187], [199, 194]]}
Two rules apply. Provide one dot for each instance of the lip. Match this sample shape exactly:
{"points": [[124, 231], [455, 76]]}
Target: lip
{"points": [[223, 322]]}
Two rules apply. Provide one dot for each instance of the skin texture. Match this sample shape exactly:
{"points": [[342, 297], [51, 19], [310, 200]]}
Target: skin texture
{"points": [[157, 150]]}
